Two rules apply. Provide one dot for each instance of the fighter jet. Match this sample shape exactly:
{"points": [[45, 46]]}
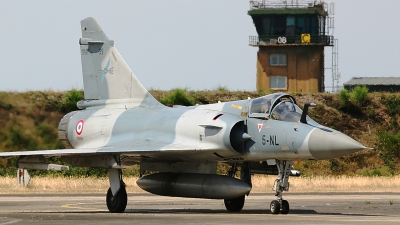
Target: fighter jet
{"points": [[121, 124]]}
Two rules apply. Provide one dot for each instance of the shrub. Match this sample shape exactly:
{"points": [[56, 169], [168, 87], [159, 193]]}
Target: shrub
{"points": [[177, 97], [388, 144], [344, 96], [371, 112], [70, 99], [7, 167], [8, 106], [18, 141], [46, 132], [359, 95], [336, 166], [376, 172], [392, 104], [222, 88]]}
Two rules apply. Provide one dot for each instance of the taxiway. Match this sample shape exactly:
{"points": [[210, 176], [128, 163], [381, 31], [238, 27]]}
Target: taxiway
{"points": [[321, 208]]}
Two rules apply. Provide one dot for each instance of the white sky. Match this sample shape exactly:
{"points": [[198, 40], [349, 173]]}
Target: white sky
{"points": [[178, 43]]}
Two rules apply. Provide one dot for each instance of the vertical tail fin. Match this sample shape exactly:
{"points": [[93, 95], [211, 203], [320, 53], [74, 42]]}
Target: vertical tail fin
{"points": [[105, 73]]}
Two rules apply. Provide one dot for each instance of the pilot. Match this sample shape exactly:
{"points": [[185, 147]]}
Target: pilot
{"points": [[279, 111], [281, 108], [265, 105]]}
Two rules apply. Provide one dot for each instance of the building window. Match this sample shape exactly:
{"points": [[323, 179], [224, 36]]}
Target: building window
{"points": [[278, 82], [277, 60]]}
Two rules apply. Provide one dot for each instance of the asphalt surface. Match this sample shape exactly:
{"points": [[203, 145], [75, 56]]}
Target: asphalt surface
{"points": [[365, 208]]}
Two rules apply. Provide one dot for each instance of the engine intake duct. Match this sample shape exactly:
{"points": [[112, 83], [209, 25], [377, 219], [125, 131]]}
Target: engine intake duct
{"points": [[238, 137], [192, 185]]}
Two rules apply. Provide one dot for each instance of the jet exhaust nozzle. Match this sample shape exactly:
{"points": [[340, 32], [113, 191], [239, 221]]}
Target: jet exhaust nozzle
{"points": [[193, 185]]}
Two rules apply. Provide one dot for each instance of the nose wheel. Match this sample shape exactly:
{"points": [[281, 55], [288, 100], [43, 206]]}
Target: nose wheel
{"points": [[284, 207], [281, 184], [276, 207]]}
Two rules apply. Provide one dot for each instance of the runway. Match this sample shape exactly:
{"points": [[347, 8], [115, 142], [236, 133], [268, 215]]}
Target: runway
{"points": [[365, 208]]}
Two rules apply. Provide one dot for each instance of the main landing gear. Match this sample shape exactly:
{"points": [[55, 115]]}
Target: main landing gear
{"points": [[281, 184], [117, 203], [116, 195], [236, 204]]}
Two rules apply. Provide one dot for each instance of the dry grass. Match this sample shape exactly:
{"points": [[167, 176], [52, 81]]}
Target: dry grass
{"points": [[261, 184], [331, 184], [63, 185]]}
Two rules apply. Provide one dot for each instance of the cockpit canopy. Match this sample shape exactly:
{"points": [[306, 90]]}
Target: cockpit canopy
{"points": [[278, 106]]}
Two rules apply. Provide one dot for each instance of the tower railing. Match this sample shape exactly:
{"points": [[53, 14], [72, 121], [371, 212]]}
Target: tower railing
{"points": [[294, 4], [327, 40]]}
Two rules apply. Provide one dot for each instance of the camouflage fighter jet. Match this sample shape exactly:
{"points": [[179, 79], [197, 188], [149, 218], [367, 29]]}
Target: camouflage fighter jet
{"points": [[121, 124]]}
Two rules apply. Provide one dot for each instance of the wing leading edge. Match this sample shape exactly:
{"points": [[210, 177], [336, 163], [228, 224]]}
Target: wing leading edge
{"points": [[139, 149]]}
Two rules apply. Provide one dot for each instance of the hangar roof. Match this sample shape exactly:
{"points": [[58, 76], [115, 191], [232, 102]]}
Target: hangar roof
{"points": [[373, 81]]}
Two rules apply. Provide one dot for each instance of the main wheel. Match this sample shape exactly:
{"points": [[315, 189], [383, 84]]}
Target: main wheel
{"points": [[275, 207], [235, 204], [117, 203], [285, 207]]}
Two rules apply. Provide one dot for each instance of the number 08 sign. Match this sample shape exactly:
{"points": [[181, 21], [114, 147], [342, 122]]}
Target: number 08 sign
{"points": [[282, 40], [79, 127]]}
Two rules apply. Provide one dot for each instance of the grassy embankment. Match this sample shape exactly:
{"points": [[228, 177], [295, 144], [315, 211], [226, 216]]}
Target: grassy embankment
{"points": [[29, 121]]}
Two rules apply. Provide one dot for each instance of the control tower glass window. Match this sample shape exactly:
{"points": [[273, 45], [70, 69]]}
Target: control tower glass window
{"points": [[279, 25], [289, 25], [267, 26], [321, 25], [277, 60]]}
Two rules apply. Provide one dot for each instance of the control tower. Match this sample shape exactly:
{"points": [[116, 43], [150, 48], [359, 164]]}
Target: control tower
{"points": [[291, 39]]}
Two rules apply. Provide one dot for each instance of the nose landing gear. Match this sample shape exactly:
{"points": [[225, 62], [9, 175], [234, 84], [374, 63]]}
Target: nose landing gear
{"points": [[281, 184]]}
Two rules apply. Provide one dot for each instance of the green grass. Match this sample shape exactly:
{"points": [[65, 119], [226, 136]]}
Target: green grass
{"points": [[178, 97]]}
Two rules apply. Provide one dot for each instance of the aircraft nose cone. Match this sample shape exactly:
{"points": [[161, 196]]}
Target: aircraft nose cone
{"points": [[328, 144]]}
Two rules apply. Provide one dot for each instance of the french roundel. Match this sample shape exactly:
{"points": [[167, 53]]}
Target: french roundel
{"points": [[79, 127]]}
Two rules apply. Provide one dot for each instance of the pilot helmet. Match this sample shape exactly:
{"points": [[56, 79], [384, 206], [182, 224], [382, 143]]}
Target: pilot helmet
{"points": [[265, 106]]}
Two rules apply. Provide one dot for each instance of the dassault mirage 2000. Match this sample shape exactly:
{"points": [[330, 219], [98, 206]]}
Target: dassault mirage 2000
{"points": [[121, 124]]}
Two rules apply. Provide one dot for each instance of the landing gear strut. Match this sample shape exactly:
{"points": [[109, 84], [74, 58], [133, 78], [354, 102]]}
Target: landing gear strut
{"points": [[281, 184], [116, 195]]}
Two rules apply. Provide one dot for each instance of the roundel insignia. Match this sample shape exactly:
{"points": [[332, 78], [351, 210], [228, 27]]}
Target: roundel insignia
{"points": [[79, 127]]}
